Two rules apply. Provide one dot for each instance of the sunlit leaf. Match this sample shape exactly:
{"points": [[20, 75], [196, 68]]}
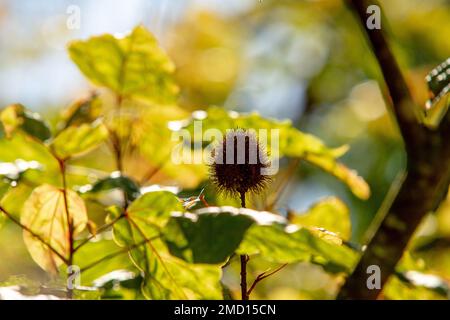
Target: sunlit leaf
{"points": [[45, 214], [212, 234], [77, 140], [132, 66], [165, 276], [272, 237], [330, 214], [16, 116], [92, 252], [287, 141]]}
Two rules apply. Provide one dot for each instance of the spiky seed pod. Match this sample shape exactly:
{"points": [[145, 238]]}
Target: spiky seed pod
{"points": [[237, 163]]}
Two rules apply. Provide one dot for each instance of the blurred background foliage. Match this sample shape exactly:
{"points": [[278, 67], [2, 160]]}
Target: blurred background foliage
{"points": [[306, 61]]}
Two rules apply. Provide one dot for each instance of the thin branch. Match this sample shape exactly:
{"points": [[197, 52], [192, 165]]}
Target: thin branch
{"points": [[35, 235], [262, 276], [70, 226], [244, 259], [99, 231]]}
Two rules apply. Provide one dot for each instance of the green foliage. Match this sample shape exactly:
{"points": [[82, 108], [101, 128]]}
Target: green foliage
{"points": [[330, 214], [158, 250], [90, 253], [277, 241], [165, 275]]}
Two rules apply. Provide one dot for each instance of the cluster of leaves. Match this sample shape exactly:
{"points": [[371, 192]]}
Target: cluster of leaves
{"points": [[172, 252]]}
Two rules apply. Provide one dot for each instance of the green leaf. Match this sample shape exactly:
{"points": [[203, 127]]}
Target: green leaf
{"points": [[291, 142], [45, 214], [330, 214], [132, 66], [208, 237], [154, 208], [78, 140], [165, 276], [438, 81], [272, 237], [92, 252], [115, 181], [17, 117], [276, 243]]}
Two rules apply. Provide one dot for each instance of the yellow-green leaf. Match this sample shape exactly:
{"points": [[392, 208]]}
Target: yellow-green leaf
{"points": [[45, 214], [77, 140], [132, 66], [330, 214]]}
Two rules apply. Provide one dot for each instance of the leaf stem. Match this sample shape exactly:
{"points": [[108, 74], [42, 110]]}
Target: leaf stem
{"points": [[62, 167], [117, 145]]}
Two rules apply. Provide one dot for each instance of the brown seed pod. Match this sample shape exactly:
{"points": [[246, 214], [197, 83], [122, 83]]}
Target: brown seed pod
{"points": [[237, 163]]}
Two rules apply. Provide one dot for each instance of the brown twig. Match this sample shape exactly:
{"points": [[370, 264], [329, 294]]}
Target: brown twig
{"points": [[262, 276], [203, 200], [244, 259], [70, 226], [99, 231]]}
